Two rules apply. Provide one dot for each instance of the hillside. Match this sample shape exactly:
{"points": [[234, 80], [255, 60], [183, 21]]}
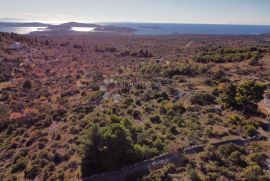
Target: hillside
{"points": [[77, 105]]}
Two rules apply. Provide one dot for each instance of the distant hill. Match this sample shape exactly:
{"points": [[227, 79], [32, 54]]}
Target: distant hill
{"points": [[22, 24], [67, 26]]}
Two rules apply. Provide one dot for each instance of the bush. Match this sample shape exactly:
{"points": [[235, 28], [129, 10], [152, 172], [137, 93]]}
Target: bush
{"points": [[19, 165], [27, 84], [229, 94], [155, 119], [136, 114], [258, 158], [160, 174], [31, 172], [193, 176], [116, 119], [252, 173], [244, 96], [228, 149], [267, 94], [249, 93], [251, 130], [255, 56], [235, 119], [221, 55], [112, 147], [188, 70], [202, 99], [179, 121], [144, 152], [159, 144]]}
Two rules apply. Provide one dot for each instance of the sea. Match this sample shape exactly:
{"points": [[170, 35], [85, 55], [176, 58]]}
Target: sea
{"points": [[166, 29], [21, 30], [208, 29]]}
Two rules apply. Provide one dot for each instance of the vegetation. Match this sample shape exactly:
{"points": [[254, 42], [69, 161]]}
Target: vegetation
{"points": [[161, 174], [27, 84], [202, 99], [112, 147], [223, 55], [140, 54], [267, 94], [74, 106], [244, 96]]}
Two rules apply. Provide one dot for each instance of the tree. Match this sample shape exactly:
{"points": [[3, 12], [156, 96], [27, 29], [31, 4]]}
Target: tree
{"points": [[244, 96], [229, 94], [248, 94], [108, 148]]}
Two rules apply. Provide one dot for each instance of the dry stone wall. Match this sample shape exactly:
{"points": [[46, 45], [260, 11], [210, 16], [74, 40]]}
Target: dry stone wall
{"points": [[160, 161]]}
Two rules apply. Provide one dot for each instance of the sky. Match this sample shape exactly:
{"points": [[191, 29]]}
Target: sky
{"points": [[255, 12]]}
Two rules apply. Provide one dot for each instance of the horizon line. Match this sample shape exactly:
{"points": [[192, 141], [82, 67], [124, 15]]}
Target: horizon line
{"points": [[15, 20]]}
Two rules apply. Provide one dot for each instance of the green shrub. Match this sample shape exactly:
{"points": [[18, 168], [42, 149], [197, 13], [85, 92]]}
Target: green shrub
{"points": [[19, 165], [112, 147], [155, 119], [193, 176], [255, 56], [229, 94], [227, 149], [179, 121], [159, 144], [251, 130], [221, 55], [252, 173], [244, 96], [188, 70], [160, 174], [144, 152], [249, 93], [235, 119], [202, 99], [258, 158], [116, 119], [136, 114]]}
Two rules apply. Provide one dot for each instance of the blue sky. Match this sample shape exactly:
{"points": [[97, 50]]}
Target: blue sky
{"points": [[163, 11]]}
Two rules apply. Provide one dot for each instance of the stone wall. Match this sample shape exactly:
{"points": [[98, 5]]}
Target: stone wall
{"points": [[160, 161]]}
